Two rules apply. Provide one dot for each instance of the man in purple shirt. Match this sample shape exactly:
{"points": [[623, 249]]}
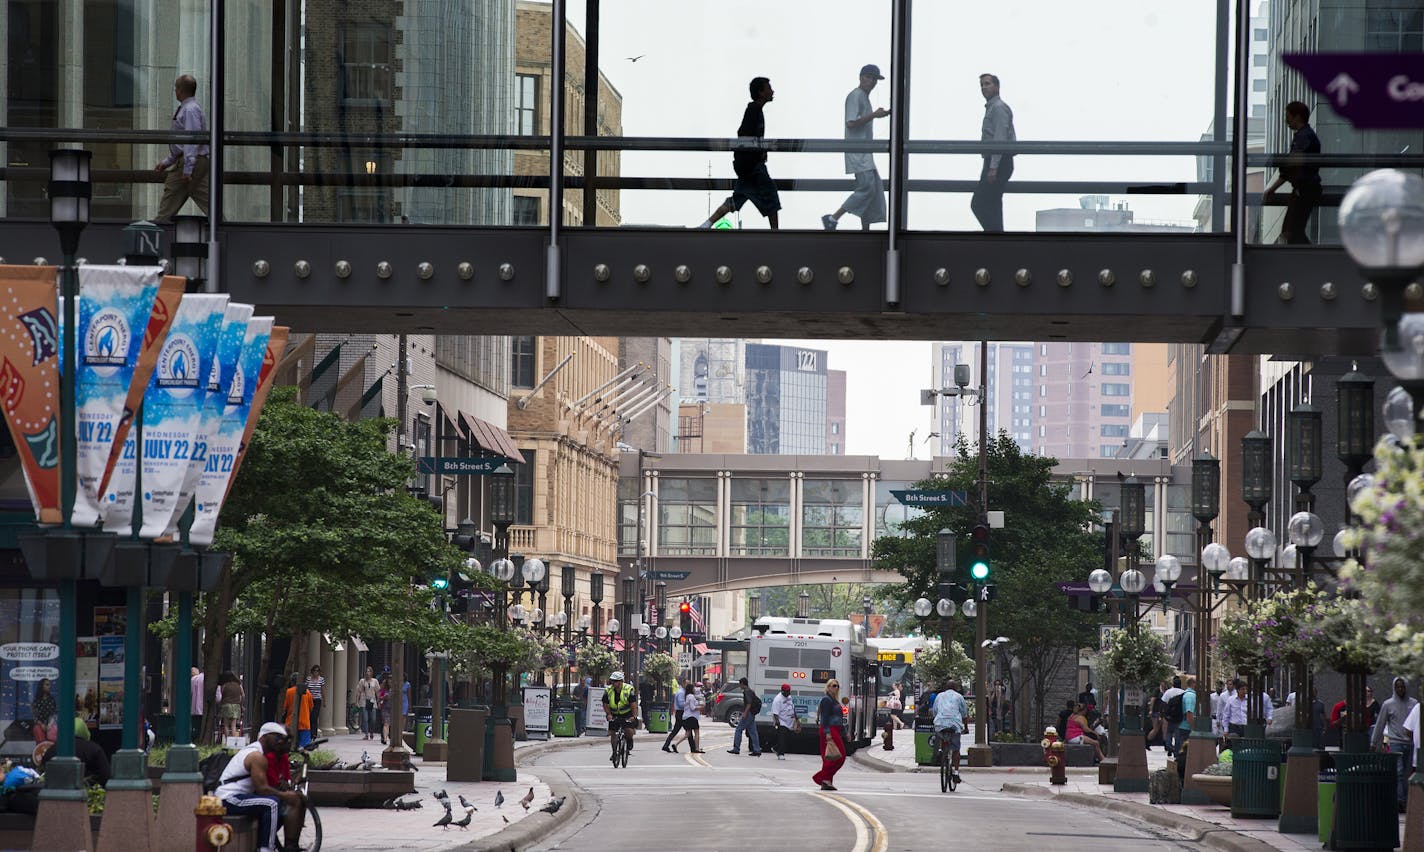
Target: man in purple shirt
{"points": [[186, 165]]}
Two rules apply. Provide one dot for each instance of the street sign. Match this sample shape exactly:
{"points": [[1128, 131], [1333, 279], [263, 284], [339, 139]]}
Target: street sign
{"points": [[684, 659], [670, 575], [456, 466], [1369, 90], [932, 498]]}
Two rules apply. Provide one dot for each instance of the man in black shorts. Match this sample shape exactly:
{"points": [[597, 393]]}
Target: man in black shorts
{"points": [[620, 704], [754, 183]]}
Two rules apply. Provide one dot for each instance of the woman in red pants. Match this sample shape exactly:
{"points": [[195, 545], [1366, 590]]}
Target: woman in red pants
{"points": [[831, 724]]}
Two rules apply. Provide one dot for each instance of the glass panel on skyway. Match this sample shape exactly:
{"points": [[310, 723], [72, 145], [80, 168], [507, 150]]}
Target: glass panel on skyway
{"points": [[687, 517], [1181, 526], [831, 518], [761, 517], [1302, 162], [890, 514]]}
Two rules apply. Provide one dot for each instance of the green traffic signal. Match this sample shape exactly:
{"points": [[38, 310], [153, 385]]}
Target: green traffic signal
{"points": [[979, 554], [440, 584]]}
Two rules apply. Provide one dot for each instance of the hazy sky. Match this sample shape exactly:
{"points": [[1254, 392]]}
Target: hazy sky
{"points": [[1106, 70]]}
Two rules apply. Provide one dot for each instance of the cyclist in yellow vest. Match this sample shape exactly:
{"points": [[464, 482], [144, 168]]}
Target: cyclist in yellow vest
{"points": [[620, 703]]}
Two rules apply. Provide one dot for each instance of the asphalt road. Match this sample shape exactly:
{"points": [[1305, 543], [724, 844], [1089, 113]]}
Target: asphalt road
{"points": [[719, 801]]}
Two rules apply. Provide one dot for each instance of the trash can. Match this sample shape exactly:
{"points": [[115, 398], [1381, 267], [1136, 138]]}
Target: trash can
{"points": [[924, 752], [1256, 779], [1325, 805], [467, 744], [422, 733], [657, 718], [1366, 814], [561, 719]]}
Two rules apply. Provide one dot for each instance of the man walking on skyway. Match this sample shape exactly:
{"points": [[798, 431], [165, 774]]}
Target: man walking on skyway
{"points": [[867, 202]]}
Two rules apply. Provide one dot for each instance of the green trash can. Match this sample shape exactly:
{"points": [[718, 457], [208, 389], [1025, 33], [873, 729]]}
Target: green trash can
{"points": [[1366, 813], [924, 752], [422, 733], [561, 722], [1325, 806], [1256, 779], [657, 719]]}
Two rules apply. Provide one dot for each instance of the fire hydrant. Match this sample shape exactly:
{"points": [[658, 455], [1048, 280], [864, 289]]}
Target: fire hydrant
{"points": [[213, 833], [889, 735], [1055, 756]]}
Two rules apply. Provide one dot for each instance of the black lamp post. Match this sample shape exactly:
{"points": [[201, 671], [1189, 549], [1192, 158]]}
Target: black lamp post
{"points": [[1206, 506], [803, 604], [1355, 425], [1256, 474], [630, 607], [190, 251], [595, 595], [500, 767]]}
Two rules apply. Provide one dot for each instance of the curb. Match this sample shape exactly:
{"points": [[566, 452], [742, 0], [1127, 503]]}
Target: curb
{"points": [[1208, 834], [876, 764], [534, 827], [538, 749]]}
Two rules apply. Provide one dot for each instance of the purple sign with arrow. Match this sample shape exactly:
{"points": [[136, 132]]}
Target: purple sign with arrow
{"points": [[1370, 90]]}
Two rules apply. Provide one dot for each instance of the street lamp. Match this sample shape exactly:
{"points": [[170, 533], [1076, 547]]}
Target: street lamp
{"points": [[533, 571], [595, 594], [1382, 227], [1256, 473], [1303, 428], [1168, 571], [1355, 424], [803, 604], [753, 607], [1206, 506]]}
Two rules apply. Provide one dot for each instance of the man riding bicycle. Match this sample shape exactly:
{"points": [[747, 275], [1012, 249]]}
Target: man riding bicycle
{"points": [[620, 704], [247, 789], [949, 712]]}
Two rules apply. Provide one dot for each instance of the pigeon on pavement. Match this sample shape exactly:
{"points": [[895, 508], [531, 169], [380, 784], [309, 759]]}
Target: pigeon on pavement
{"points": [[528, 797], [498, 798], [553, 805], [444, 822], [464, 803], [465, 823]]}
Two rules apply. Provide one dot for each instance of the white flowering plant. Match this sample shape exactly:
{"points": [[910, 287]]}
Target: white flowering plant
{"points": [[1390, 538], [1139, 658]]}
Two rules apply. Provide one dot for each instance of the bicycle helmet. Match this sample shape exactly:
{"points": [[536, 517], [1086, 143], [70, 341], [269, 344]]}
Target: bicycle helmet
{"points": [[616, 676]]}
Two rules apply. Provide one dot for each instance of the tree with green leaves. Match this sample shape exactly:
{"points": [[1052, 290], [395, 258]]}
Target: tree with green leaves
{"points": [[325, 537], [1047, 539]]}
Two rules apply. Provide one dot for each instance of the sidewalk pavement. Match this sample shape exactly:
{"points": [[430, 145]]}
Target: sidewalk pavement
{"points": [[359, 829], [1212, 825]]}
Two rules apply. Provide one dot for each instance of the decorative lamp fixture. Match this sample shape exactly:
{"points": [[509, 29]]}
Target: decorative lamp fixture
{"points": [[595, 587], [1260, 543], [923, 607], [1133, 581], [1215, 557], [1206, 487], [1306, 529], [1134, 508], [502, 569], [1238, 570], [1256, 469], [944, 551], [533, 570], [501, 482], [1355, 419], [613, 627], [1100, 581], [1303, 428], [945, 607]]}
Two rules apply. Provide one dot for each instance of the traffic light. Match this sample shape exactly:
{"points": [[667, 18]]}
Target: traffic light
{"points": [[979, 554], [684, 610], [461, 588]]}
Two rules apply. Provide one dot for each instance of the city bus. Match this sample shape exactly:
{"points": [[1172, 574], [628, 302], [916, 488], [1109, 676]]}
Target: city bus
{"points": [[896, 659], [807, 653]]}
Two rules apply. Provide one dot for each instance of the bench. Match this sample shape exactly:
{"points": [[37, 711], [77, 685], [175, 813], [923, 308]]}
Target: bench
{"points": [[357, 788], [1107, 771]]}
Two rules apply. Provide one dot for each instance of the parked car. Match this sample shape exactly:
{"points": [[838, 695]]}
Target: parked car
{"points": [[727, 704]]}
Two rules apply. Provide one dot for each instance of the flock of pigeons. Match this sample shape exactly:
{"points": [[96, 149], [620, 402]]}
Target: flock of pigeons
{"points": [[400, 803]]}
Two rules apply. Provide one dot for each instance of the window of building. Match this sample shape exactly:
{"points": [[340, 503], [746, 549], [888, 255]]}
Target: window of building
{"points": [[526, 104], [1112, 410], [687, 517], [1117, 389], [1042, 390], [526, 210], [1259, 60], [365, 58], [1117, 368], [1181, 532], [1394, 30], [524, 489], [1108, 451], [1258, 85], [1043, 411], [1259, 34], [628, 516], [831, 518], [362, 205], [1110, 430], [1043, 369], [835, 449], [1117, 348], [835, 427], [522, 362], [761, 517]]}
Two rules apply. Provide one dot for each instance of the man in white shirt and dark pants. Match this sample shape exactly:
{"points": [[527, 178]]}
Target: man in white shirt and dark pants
{"points": [[783, 716]]}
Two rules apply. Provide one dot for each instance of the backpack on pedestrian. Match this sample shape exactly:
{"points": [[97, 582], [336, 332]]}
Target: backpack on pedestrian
{"points": [[211, 768], [1173, 713]]}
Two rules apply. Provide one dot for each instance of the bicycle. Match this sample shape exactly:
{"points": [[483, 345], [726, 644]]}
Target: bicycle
{"points": [[311, 828], [620, 744], [948, 780]]}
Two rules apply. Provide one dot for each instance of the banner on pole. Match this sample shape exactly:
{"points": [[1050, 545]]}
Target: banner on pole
{"points": [[29, 379], [115, 303]]}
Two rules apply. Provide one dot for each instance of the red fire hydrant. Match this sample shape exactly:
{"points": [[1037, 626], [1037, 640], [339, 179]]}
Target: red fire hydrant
{"points": [[213, 833], [889, 736], [1055, 756]]}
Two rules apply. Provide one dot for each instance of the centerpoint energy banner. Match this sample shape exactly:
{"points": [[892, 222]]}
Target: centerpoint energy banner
{"points": [[114, 308], [29, 379]]}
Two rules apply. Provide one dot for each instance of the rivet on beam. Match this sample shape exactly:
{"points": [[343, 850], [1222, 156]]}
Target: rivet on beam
{"points": [[383, 269], [302, 268], [1147, 278], [506, 272], [941, 277], [601, 273], [1189, 278], [1023, 277], [1413, 291], [724, 275], [1065, 278], [39, 261], [642, 274], [343, 269], [763, 274], [465, 270], [982, 277], [1286, 291], [845, 275], [804, 275], [1106, 277], [682, 273], [1370, 292], [1328, 291], [261, 268], [425, 269]]}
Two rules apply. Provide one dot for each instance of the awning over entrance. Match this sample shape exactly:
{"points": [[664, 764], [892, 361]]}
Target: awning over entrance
{"points": [[486, 436]]}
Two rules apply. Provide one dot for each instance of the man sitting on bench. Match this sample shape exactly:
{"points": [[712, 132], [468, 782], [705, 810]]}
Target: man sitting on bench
{"points": [[245, 790]]}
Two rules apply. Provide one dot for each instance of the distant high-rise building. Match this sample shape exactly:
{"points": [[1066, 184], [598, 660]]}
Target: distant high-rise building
{"points": [[786, 400], [835, 412], [712, 369]]}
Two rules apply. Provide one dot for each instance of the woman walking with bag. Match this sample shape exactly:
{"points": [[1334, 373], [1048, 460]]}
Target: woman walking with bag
{"points": [[830, 722], [367, 691]]}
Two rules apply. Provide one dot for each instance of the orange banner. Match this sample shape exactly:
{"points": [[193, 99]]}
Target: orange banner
{"points": [[29, 379], [276, 345], [165, 306]]}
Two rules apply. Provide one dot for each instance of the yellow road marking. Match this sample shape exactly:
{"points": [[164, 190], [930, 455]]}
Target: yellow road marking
{"points": [[870, 834]]}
